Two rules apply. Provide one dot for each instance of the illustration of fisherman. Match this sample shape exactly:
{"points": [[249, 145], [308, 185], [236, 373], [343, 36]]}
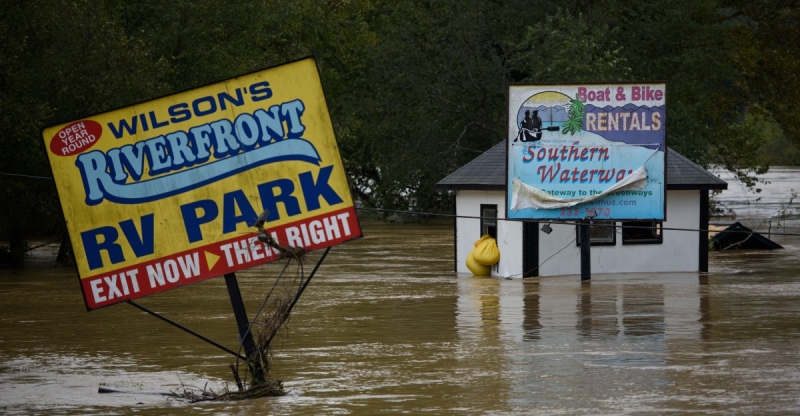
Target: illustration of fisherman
{"points": [[531, 129]]}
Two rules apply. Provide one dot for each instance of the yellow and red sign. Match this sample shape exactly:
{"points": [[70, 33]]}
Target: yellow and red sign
{"points": [[166, 192]]}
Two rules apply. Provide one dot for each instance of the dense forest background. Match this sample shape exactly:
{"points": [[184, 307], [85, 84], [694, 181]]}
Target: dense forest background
{"points": [[415, 88]]}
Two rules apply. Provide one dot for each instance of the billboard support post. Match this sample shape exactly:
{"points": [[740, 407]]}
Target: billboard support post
{"points": [[245, 336], [586, 259]]}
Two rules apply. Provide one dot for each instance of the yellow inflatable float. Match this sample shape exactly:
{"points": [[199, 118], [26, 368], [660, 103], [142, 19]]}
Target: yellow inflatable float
{"points": [[485, 255]]}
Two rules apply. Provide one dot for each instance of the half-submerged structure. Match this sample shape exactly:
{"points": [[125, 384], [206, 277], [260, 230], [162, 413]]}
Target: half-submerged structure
{"points": [[550, 248], [736, 236]]}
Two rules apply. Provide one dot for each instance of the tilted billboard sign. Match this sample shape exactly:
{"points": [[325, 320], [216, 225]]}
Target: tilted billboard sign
{"points": [[166, 192], [586, 149]]}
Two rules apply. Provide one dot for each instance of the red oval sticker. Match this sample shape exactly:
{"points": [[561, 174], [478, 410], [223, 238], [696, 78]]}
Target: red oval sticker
{"points": [[76, 138]]}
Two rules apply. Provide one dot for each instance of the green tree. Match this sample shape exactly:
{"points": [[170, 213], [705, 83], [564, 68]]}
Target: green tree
{"points": [[708, 56], [773, 62], [567, 48], [415, 88], [430, 99], [61, 60]]}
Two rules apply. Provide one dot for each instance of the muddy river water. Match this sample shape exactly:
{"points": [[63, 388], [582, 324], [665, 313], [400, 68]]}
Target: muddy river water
{"points": [[387, 327]]}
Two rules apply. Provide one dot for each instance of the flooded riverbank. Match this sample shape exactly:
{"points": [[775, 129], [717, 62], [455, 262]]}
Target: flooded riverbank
{"points": [[775, 208], [387, 327]]}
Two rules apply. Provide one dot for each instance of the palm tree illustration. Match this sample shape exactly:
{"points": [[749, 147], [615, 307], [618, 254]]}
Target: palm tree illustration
{"points": [[575, 113]]}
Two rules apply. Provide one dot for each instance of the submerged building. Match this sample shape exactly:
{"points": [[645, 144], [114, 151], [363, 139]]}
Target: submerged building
{"points": [[531, 248]]}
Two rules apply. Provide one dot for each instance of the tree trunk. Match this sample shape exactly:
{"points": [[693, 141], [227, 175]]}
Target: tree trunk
{"points": [[16, 248], [65, 256]]}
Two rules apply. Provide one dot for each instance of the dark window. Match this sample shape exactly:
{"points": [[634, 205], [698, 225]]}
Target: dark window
{"points": [[641, 232], [489, 220], [601, 233]]}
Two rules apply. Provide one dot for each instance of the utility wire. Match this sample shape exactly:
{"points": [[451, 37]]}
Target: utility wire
{"points": [[431, 214], [550, 221], [604, 223], [25, 176], [543, 262]]}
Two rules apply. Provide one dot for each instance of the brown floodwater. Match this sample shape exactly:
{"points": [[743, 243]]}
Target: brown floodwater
{"points": [[387, 327]]}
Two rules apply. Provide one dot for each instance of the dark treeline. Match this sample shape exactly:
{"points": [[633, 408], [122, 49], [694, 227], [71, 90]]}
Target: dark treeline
{"points": [[415, 88]]}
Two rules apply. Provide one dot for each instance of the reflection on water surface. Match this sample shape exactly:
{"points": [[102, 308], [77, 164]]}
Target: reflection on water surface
{"points": [[387, 327]]}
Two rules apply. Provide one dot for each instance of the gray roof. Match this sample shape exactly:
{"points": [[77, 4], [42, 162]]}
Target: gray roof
{"points": [[488, 172]]}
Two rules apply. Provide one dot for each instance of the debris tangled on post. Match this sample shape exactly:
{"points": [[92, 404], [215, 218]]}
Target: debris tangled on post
{"points": [[272, 316]]}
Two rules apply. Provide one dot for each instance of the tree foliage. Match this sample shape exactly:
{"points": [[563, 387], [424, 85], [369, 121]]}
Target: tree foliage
{"points": [[416, 88]]}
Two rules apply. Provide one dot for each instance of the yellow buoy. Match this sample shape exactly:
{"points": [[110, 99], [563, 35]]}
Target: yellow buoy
{"points": [[476, 268], [486, 251]]}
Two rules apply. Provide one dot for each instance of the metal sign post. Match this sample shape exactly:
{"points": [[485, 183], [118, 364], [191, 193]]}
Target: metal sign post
{"points": [[586, 259], [245, 336]]}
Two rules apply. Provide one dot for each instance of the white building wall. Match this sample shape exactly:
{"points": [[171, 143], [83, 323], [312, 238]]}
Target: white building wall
{"points": [[677, 253], [468, 230], [558, 253]]}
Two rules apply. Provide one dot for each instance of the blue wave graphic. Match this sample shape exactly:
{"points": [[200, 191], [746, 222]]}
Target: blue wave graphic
{"points": [[187, 180]]}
